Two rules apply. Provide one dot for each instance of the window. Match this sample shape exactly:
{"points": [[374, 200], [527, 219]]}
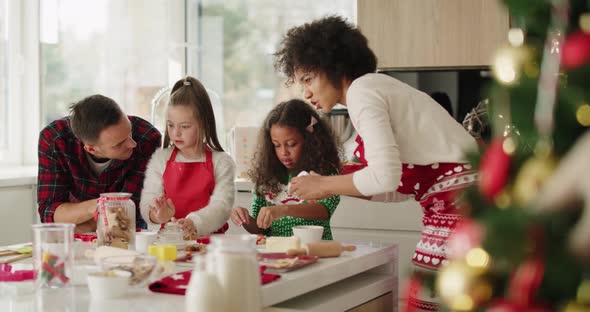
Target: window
{"points": [[3, 75], [130, 50], [232, 44], [12, 72], [123, 49]]}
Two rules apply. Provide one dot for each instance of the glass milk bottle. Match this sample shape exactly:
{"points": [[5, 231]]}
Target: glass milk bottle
{"points": [[232, 259], [116, 220], [203, 293]]}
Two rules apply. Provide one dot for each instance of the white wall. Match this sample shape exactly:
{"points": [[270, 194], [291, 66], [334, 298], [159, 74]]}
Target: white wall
{"points": [[17, 213]]}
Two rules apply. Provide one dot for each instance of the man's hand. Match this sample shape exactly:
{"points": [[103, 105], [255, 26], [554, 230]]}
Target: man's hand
{"points": [[86, 227]]}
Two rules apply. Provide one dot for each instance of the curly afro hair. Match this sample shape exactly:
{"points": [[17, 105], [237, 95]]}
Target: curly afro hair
{"points": [[320, 149], [330, 45]]}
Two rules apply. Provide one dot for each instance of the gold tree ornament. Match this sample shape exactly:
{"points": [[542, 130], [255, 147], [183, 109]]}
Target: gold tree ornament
{"points": [[585, 22], [576, 307], [531, 177], [583, 115]]}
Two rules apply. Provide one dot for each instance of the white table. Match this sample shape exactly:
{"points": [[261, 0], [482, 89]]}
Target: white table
{"points": [[331, 284]]}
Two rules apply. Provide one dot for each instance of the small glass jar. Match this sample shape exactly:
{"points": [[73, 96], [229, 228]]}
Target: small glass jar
{"points": [[170, 234], [232, 259], [53, 254], [116, 220]]}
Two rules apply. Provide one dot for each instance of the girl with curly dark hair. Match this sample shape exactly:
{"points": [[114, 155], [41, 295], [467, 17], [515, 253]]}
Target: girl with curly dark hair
{"points": [[293, 139], [409, 143]]}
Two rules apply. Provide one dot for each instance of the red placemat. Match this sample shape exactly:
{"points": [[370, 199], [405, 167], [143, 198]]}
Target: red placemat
{"points": [[176, 283]]}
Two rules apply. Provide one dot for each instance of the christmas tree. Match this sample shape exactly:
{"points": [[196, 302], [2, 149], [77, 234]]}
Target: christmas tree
{"points": [[525, 242]]}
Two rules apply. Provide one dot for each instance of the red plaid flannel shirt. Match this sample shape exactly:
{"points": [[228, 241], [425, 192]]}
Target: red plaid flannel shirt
{"points": [[66, 176]]}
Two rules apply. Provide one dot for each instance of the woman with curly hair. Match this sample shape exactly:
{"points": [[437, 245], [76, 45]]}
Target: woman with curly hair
{"points": [[410, 144], [293, 139]]}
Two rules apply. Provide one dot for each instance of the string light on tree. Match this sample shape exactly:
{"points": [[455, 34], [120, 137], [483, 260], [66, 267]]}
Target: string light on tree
{"points": [[516, 37], [463, 287], [510, 62]]}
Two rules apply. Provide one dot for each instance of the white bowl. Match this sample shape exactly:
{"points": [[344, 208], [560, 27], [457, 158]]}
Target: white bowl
{"points": [[108, 285], [80, 272], [308, 233]]}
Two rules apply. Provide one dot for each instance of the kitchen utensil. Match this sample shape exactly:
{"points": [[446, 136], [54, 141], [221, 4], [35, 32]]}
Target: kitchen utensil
{"points": [[21, 253], [321, 249]]}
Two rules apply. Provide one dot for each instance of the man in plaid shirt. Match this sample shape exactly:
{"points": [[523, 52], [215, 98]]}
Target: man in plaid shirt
{"points": [[96, 149]]}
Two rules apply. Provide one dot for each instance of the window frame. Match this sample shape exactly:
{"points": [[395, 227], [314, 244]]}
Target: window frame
{"points": [[22, 85]]}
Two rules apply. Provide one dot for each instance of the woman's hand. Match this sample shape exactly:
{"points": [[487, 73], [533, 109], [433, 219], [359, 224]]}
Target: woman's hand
{"points": [[267, 215], [240, 216], [162, 210], [308, 187], [188, 227]]}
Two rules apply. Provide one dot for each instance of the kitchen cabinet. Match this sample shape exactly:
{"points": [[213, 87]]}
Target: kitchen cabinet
{"points": [[410, 34], [383, 303]]}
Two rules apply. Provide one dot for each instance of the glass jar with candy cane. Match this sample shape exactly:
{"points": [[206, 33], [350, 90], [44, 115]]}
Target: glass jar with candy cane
{"points": [[53, 254], [115, 225]]}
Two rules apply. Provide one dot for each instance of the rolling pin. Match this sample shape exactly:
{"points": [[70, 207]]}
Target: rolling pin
{"points": [[321, 249]]}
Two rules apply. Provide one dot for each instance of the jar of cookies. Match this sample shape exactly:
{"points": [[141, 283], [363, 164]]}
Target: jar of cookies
{"points": [[115, 226]]}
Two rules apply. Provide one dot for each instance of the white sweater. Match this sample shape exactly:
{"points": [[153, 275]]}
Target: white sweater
{"points": [[400, 124], [211, 217]]}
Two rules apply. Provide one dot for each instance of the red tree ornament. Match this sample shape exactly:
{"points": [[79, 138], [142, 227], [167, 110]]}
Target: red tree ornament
{"points": [[576, 50], [493, 170]]}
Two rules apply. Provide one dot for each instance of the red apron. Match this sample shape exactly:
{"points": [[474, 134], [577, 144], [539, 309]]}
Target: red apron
{"points": [[189, 185], [435, 187]]}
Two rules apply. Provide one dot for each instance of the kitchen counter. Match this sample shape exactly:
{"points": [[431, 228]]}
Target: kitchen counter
{"points": [[331, 284]]}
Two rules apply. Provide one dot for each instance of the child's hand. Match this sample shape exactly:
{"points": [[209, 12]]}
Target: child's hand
{"points": [[188, 227], [162, 210], [268, 214], [240, 216]]}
